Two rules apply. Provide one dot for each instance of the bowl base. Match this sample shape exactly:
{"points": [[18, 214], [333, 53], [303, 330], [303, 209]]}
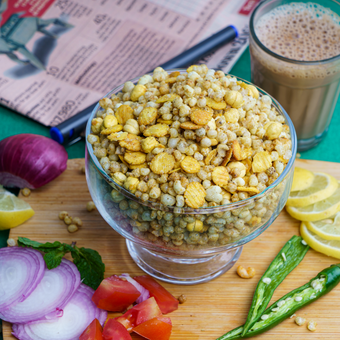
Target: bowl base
{"points": [[183, 271]]}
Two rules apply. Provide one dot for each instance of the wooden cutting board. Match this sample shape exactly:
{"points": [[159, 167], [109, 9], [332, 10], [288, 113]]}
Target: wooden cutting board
{"points": [[212, 308]]}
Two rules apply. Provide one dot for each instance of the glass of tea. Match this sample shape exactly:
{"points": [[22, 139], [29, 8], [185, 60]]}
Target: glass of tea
{"points": [[295, 56]]}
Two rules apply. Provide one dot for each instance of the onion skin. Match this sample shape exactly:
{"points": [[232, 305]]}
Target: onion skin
{"points": [[30, 161]]}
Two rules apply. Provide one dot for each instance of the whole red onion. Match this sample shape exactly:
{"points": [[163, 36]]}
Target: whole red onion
{"points": [[30, 161]]}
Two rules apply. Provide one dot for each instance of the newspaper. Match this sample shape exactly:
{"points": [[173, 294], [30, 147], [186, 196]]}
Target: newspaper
{"points": [[57, 57]]}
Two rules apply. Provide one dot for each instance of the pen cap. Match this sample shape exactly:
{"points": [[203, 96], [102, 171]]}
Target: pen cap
{"points": [[70, 130]]}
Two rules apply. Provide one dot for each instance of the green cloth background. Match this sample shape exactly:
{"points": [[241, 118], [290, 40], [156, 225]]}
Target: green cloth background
{"points": [[12, 123]]}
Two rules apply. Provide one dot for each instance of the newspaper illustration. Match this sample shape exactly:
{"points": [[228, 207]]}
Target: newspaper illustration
{"points": [[59, 56]]}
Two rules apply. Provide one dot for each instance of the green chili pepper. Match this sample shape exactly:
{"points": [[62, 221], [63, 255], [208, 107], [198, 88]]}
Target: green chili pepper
{"points": [[287, 259], [282, 309]]}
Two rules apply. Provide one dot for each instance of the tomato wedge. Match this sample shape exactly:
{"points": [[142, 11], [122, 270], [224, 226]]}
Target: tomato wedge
{"points": [[155, 329], [115, 294], [142, 312], [166, 302], [93, 331], [113, 330]]}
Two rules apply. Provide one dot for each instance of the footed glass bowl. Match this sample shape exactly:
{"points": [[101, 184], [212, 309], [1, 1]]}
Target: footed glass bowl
{"points": [[158, 237]]}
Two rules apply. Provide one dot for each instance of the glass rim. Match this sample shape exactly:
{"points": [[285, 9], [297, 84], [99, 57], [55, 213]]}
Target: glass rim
{"points": [[278, 56], [202, 210]]}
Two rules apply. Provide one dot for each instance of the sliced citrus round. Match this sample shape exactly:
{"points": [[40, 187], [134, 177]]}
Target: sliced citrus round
{"points": [[302, 179], [327, 247], [328, 229], [317, 211], [323, 186], [13, 210]]}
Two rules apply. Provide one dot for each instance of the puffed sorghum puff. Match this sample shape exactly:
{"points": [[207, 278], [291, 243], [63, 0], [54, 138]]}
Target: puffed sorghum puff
{"points": [[194, 139]]}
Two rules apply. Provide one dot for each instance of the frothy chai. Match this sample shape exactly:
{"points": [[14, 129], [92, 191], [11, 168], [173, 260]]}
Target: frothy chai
{"points": [[300, 31], [308, 92]]}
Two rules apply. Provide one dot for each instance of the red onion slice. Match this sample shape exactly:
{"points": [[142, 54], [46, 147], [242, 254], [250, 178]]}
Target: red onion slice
{"points": [[78, 314], [21, 270], [144, 293], [49, 298]]}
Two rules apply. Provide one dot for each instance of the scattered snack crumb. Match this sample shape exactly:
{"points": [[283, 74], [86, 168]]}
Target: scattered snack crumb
{"points": [[300, 321], [291, 317], [68, 220], [82, 169], [77, 221], [26, 192], [311, 326], [62, 215], [11, 242], [182, 298], [245, 274], [90, 206], [72, 228]]}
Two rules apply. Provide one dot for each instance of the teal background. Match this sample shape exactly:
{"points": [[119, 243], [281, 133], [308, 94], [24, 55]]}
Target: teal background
{"points": [[12, 123]]}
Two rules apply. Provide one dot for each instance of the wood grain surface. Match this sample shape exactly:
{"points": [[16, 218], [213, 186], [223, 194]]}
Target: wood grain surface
{"points": [[212, 308]]}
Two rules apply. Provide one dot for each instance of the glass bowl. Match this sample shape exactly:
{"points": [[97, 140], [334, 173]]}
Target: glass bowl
{"points": [[158, 237]]}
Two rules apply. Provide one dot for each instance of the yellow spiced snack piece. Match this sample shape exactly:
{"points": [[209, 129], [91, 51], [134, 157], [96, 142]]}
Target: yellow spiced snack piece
{"points": [[252, 90], [162, 163], [250, 190], [131, 184], [158, 130], [234, 99], [190, 165], [167, 98], [231, 115], [237, 151], [124, 113], [147, 116], [116, 136], [210, 156], [200, 117], [195, 195], [274, 130], [148, 144], [261, 162], [220, 176], [138, 91], [190, 126], [131, 143], [135, 157], [112, 129], [110, 121], [216, 105], [227, 157]]}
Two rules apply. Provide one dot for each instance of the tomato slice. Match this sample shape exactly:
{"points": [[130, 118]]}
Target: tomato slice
{"points": [[93, 331], [140, 313], [166, 302], [155, 329], [113, 330], [115, 294]]}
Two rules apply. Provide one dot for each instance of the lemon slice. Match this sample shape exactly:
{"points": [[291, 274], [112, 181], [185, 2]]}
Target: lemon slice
{"points": [[327, 247], [323, 186], [317, 211], [328, 229], [302, 179], [13, 210]]}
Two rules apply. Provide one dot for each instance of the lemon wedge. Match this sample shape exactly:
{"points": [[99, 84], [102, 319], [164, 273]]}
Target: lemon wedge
{"points": [[327, 247], [328, 229], [302, 179], [323, 186], [317, 211], [13, 210]]}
